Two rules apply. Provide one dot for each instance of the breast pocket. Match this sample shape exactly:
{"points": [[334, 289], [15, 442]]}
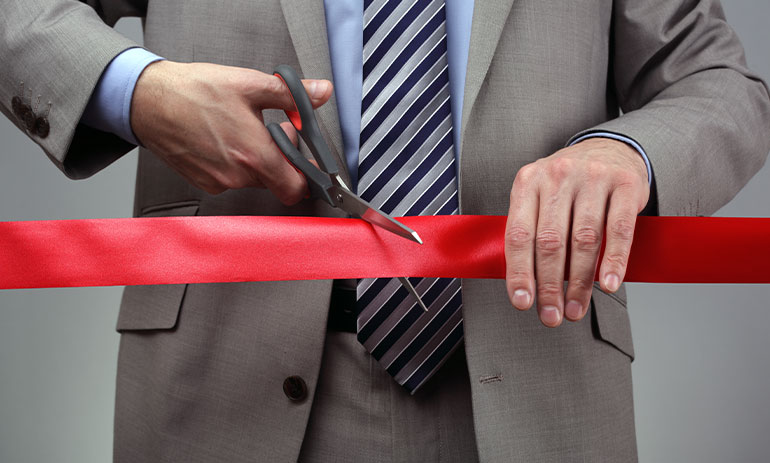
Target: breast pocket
{"points": [[154, 307]]}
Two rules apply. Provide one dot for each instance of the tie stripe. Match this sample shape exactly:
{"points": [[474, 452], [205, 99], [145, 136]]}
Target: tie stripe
{"points": [[414, 328], [382, 171], [395, 116], [411, 181], [391, 191], [436, 358], [399, 62], [433, 332], [407, 167], [395, 31]]}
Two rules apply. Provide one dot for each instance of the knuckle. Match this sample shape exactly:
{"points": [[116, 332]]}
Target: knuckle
{"points": [[256, 163], [291, 194], [525, 175], [272, 85], [622, 228], [560, 168], [586, 238], [518, 276], [228, 180], [518, 237], [616, 259], [549, 289], [596, 171], [549, 241], [623, 178], [233, 183], [581, 285], [245, 160], [219, 179]]}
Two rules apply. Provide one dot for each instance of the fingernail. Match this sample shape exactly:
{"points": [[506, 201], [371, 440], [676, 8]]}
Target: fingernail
{"points": [[573, 310], [521, 298], [612, 282], [550, 315], [317, 88]]}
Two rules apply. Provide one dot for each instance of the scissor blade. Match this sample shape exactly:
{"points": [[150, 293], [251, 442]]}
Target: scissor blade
{"points": [[352, 204], [413, 291]]}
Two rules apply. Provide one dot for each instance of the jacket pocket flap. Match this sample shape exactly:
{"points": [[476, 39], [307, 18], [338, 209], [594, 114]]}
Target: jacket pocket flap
{"points": [[154, 307], [612, 321], [150, 307]]}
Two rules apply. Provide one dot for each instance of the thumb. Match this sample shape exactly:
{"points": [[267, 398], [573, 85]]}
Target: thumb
{"points": [[275, 94], [319, 91]]}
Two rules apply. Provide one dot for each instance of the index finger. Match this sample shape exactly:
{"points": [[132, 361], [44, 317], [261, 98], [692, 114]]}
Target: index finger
{"points": [[519, 240]]}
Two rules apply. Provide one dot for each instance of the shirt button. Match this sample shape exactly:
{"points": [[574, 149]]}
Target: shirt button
{"points": [[295, 388]]}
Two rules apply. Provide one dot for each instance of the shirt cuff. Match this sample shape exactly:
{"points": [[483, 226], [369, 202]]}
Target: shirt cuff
{"points": [[109, 108], [629, 141]]}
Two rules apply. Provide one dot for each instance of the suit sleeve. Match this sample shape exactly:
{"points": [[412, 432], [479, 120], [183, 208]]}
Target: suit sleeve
{"points": [[58, 50], [688, 98]]}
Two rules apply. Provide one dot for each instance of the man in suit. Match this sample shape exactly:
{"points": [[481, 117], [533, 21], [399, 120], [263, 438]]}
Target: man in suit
{"points": [[256, 371]]}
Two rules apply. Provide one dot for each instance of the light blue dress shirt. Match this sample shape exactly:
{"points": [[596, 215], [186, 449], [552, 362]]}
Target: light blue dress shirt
{"points": [[109, 108]]}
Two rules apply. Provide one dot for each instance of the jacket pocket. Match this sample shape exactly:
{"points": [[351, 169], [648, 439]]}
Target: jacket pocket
{"points": [[611, 322], [154, 307]]}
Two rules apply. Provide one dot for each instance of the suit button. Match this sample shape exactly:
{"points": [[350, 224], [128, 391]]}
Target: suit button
{"points": [[295, 388], [24, 109], [29, 120]]}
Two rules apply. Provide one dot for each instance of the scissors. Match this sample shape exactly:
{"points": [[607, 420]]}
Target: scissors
{"points": [[326, 183]]}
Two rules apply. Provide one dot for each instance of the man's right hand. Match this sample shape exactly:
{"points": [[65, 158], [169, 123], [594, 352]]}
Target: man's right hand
{"points": [[205, 121]]}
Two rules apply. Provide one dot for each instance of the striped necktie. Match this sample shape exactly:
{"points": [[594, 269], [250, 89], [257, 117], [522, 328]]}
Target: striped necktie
{"points": [[406, 166]]}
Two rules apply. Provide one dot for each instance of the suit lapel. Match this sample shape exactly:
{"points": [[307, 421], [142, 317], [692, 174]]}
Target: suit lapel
{"points": [[307, 27], [489, 18]]}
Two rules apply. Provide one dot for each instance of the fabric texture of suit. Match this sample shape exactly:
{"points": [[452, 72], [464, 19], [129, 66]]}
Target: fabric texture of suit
{"points": [[201, 367]]}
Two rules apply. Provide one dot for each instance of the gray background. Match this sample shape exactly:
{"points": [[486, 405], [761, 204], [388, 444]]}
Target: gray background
{"points": [[701, 376]]}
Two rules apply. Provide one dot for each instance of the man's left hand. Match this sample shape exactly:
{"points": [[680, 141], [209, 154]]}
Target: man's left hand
{"points": [[562, 203]]}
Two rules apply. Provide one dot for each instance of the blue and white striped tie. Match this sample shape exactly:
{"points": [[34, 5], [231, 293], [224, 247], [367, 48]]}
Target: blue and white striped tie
{"points": [[406, 166]]}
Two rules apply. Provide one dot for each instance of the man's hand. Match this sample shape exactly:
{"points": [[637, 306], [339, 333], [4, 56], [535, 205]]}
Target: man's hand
{"points": [[559, 204], [205, 121]]}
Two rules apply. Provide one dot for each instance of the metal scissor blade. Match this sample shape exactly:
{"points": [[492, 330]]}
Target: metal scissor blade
{"points": [[352, 204], [413, 291]]}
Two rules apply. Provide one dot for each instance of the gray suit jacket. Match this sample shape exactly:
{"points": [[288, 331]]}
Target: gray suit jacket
{"points": [[201, 366]]}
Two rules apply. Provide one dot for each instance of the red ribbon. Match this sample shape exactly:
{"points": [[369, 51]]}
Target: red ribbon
{"points": [[166, 250]]}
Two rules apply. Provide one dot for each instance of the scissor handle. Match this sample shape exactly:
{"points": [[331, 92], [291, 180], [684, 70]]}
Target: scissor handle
{"points": [[318, 182], [304, 120]]}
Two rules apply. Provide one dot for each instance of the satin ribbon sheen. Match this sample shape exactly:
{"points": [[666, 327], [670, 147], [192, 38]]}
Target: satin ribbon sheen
{"points": [[166, 250]]}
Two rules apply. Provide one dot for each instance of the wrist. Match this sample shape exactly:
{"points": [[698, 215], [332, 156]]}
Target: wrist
{"points": [[147, 99], [635, 159], [621, 138], [632, 158]]}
